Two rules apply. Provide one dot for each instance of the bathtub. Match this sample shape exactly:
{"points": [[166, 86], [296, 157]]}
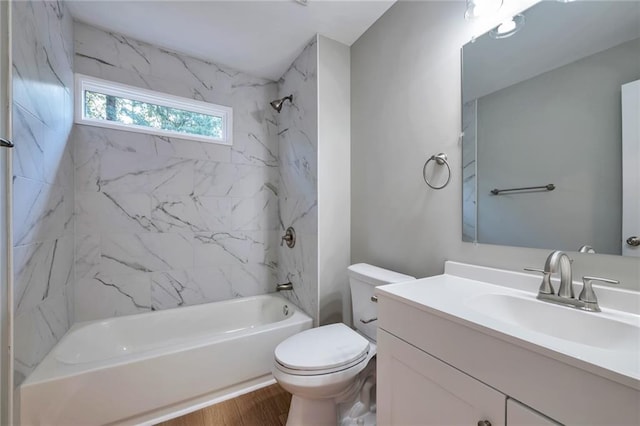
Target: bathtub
{"points": [[150, 367]]}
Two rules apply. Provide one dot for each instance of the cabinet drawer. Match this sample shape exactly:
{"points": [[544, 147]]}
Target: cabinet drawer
{"points": [[415, 388], [521, 415]]}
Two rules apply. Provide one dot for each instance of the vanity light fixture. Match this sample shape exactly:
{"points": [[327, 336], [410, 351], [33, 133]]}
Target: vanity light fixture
{"points": [[508, 27], [481, 8]]}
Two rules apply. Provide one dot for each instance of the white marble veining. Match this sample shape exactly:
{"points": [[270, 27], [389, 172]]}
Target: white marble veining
{"points": [[104, 212], [109, 296], [189, 287], [174, 213], [234, 180], [297, 199], [87, 258], [164, 222], [42, 43], [469, 180], [42, 59], [42, 270], [40, 208], [148, 252], [37, 331], [28, 157], [259, 212]]}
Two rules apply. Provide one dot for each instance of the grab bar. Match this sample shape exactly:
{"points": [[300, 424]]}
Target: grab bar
{"points": [[549, 187]]}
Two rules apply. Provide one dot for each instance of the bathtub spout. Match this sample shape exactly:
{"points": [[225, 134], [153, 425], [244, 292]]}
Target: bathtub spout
{"points": [[285, 286]]}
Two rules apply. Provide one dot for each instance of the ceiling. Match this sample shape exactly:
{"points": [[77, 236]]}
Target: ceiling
{"points": [[261, 38], [554, 34]]}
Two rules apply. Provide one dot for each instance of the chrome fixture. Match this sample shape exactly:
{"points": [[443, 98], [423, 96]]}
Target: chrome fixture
{"points": [[633, 241], [289, 237], [546, 287], [374, 299], [586, 249], [508, 28], [5, 143], [285, 286], [277, 104], [481, 8], [440, 159], [549, 187], [588, 296], [558, 261]]}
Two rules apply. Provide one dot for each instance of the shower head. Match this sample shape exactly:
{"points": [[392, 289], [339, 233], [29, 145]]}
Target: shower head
{"points": [[277, 104]]}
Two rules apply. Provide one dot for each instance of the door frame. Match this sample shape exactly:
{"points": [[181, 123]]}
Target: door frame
{"points": [[6, 238], [630, 171]]}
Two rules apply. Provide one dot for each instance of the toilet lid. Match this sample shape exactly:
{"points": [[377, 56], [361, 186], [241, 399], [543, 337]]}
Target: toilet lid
{"points": [[322, 348]]}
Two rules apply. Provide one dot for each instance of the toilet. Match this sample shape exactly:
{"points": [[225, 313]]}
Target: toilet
{"points": [[330, 370]]}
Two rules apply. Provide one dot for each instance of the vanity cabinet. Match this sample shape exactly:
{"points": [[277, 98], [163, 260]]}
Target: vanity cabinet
{"points": [[436, 368], [415, 388], [521, 415]]}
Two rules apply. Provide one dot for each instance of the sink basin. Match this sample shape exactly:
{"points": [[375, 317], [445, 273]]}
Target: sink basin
{"points": [[503, 304], [592, 329]]}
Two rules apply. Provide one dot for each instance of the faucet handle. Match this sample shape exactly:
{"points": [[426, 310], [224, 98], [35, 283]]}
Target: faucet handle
{"points": [[588, 296], [545, 286]]}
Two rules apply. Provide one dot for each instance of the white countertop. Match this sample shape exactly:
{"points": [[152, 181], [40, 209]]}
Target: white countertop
{"points": [[605, 343]]}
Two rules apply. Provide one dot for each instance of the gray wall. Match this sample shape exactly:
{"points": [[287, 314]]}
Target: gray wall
{"points": [[561, 127], [166, 222], [43, 179], [405, 80], [334, 175]]}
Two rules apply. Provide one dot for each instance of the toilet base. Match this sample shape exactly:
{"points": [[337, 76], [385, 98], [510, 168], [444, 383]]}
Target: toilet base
{"points": [[368, 419], [322, 411]]}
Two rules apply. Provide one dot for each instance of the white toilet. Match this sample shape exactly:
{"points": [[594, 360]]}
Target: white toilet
{"points": [[334, 366]]}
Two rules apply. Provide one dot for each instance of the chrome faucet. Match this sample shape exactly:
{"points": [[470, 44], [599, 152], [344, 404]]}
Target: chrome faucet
{"points": [[559, 262]]}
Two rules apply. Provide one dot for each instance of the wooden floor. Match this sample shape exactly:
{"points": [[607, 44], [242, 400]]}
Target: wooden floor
{"points": [[267, 406]]}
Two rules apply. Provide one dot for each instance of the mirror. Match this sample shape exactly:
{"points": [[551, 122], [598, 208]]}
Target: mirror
{"points": [[542, 108]]}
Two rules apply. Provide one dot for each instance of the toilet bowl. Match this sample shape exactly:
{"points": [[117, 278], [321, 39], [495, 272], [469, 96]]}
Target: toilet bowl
{"points": [[333, 366]]}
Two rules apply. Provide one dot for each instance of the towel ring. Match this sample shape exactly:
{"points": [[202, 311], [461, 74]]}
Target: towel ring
{"points": [[440, 159]]}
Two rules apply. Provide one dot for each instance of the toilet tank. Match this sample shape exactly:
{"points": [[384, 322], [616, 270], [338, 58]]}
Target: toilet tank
{"points": [[362, 280]]}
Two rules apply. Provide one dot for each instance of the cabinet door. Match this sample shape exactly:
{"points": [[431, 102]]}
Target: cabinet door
{"points": [[415, 388], [521, 415]]}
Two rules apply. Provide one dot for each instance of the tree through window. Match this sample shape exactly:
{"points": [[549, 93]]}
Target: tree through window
{"points": [[124, 106]]}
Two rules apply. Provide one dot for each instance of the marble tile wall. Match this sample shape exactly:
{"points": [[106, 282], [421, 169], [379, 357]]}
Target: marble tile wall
{"points": [[165, 222], [43, 178], [298, 199], [469, 166]]}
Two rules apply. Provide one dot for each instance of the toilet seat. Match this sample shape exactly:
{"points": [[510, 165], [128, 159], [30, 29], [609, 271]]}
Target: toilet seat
{"points": [[321, 350]]}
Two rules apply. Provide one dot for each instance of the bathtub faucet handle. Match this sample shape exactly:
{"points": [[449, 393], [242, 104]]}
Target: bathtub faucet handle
{"points": [[289, 237], [285, 286]]}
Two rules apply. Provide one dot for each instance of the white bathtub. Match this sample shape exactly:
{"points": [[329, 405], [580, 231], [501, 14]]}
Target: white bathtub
{"points": [[153, 366]]}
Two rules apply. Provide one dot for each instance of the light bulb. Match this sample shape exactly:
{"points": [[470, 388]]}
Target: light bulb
{"points": [[481, 8]]}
